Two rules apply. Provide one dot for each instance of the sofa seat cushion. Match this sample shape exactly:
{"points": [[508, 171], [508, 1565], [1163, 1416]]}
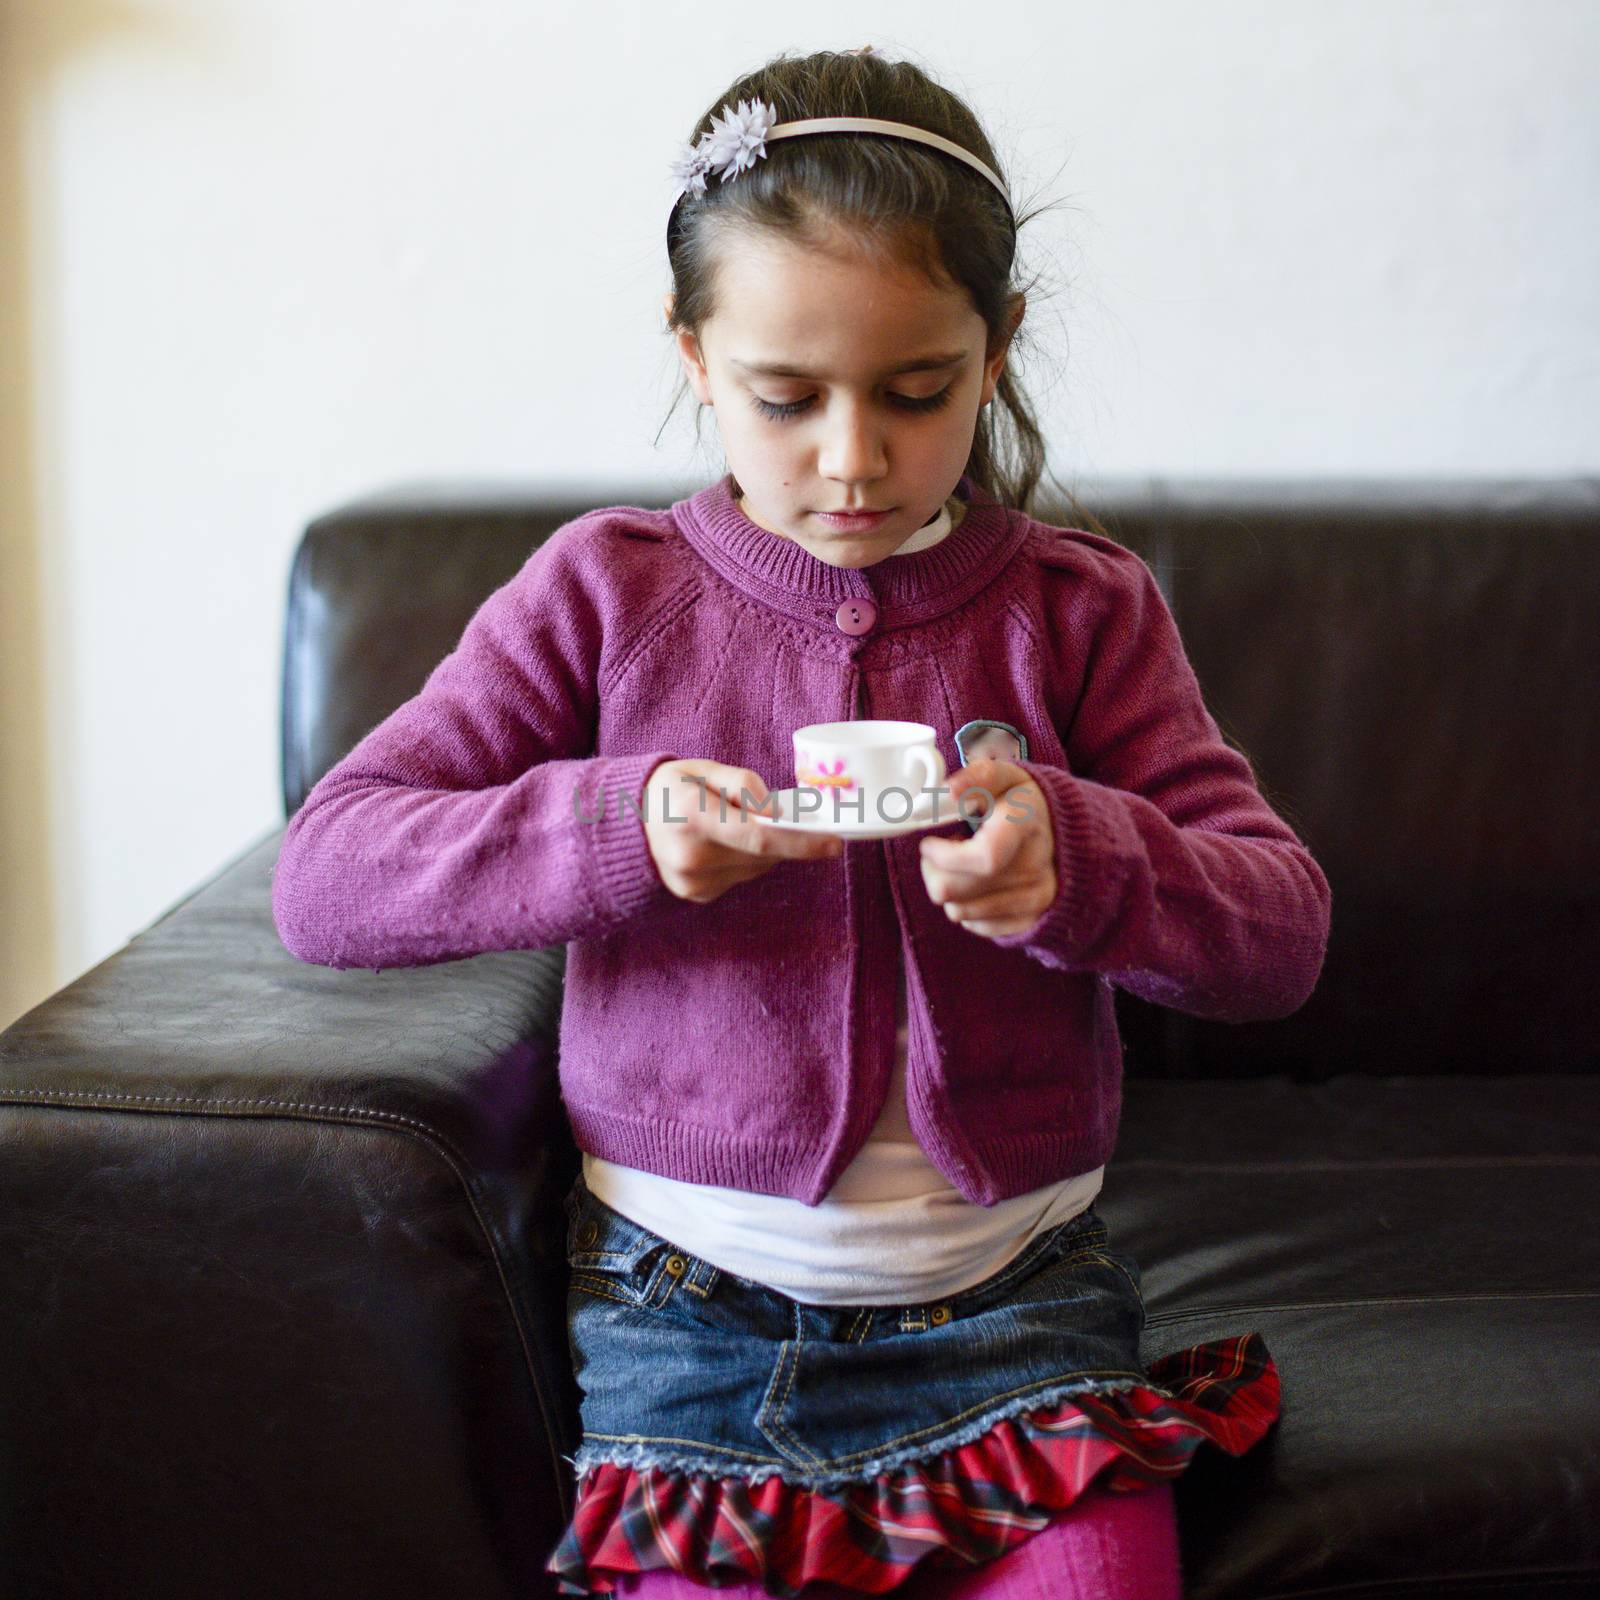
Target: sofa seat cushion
{"points": [[1422, 1258]]}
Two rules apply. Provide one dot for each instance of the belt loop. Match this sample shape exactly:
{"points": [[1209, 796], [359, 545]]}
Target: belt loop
{"points": [[701, 1278], [914, 1319]]}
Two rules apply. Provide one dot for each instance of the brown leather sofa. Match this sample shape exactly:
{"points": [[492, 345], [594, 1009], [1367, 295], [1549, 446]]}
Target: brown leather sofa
{"points": [[281, 1251]]}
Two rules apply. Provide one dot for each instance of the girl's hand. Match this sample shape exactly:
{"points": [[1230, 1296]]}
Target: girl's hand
{"points": [[702, 839], [1002, 879]]}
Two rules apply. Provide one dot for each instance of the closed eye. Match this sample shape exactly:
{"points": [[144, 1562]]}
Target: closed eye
{"points": [[905, 402]]}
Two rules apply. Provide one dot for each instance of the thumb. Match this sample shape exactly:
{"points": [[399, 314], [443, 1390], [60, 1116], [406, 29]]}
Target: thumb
{"points": [[992, 773], [989, 777]]}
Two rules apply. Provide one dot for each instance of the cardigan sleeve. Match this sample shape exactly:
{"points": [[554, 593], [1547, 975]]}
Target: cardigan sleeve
{"points": [[1175, 878], [476, 817]]}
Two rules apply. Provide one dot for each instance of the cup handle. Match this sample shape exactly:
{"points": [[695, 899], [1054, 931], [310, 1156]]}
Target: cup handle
{"points": [[931, 764]]}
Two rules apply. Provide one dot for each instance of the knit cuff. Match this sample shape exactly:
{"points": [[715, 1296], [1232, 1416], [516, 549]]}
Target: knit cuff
{"points": [[1096, 845], [611, 809]]}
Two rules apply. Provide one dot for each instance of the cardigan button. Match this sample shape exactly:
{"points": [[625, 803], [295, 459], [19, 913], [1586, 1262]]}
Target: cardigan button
{"points": [[856, 617]]}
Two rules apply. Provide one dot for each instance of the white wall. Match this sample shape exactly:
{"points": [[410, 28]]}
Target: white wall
{"points": [[263, 255]]}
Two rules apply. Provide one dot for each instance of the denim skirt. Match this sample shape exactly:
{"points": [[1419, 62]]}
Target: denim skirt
{"points": [[734, 1435]]}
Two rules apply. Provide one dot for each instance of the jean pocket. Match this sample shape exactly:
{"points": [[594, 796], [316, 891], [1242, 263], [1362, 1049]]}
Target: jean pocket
{"points": [[612, 1256], [1129, 1268], [1076, 1238]]}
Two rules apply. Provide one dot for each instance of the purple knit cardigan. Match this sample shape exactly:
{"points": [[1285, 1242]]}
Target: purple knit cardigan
{"points": [[748, 1042]]}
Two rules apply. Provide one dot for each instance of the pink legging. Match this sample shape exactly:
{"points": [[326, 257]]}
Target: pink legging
{"points": [[1104, 1546]]}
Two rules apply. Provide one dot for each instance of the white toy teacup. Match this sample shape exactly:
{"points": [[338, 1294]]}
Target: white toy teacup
{"points": [[866, 771]]}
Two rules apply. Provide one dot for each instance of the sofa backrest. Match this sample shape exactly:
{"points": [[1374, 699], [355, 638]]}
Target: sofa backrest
{"points": [[1412, 668]]}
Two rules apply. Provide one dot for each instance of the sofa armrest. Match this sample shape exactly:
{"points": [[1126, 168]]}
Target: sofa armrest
{"points": [[284, 1269]]}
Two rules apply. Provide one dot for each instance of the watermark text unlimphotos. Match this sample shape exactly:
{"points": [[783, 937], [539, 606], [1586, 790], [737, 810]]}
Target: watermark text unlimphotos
{"points": [[889, 806]]}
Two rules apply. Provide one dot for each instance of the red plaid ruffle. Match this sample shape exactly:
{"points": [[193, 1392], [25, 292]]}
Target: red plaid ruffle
{"points": [[960, 1508]]}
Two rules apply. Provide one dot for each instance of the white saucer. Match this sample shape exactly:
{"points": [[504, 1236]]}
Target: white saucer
{"points": [[847, 819]]}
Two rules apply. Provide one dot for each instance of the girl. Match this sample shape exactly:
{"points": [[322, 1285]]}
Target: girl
{"points": [[842, 1312]]}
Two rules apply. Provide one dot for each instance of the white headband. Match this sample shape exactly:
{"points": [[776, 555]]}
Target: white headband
{"points": [[738, 138]]}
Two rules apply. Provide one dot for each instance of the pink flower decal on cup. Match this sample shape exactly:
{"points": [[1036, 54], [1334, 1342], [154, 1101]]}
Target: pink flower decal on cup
{"points": [[826, 775]]}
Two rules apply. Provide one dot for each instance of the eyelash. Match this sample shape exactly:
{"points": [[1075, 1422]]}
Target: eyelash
{"points": [[930, 402]]}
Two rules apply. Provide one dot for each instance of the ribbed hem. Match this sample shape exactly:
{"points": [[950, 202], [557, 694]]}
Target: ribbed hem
{"points": [[1000, 1169], [1096, 847], [910, 589], [1011, 1165], [730, 1160]]}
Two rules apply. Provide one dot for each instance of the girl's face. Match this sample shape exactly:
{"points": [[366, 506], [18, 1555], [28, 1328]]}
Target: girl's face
{"points": [[877, 405]]}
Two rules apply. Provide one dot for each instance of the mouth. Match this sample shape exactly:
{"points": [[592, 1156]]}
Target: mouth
{"points": [[851, 520]]}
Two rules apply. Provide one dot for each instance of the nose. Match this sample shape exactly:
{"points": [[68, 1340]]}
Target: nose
{"points": [[852, 447]]}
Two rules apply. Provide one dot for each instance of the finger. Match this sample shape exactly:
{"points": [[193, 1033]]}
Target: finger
{"points": [[722, 802], [739, 827], [725, 790], [743, 830], [992, 774], [955, 853], [1004, 904], [985, 854], [996, 915], [763, 839], [991, 788], [998, 930]]}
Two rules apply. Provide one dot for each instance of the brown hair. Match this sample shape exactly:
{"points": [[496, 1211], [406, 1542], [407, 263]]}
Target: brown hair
{"points": [[891, 194]]}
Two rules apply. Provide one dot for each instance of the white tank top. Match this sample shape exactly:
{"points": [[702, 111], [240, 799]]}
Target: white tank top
{"points": [[891, 1231]]}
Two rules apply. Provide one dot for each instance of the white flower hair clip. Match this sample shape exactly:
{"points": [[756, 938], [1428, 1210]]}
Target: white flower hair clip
{"points": [[735, 141], [739, 135]]}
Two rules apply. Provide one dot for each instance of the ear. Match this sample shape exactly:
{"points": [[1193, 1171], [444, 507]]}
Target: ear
{"points": [[995, 365], [689, 354]]}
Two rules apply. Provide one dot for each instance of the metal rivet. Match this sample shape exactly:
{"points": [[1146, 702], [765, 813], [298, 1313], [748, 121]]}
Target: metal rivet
{"points": [[941, 1313], [676, 1265], [588, 1232]]}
